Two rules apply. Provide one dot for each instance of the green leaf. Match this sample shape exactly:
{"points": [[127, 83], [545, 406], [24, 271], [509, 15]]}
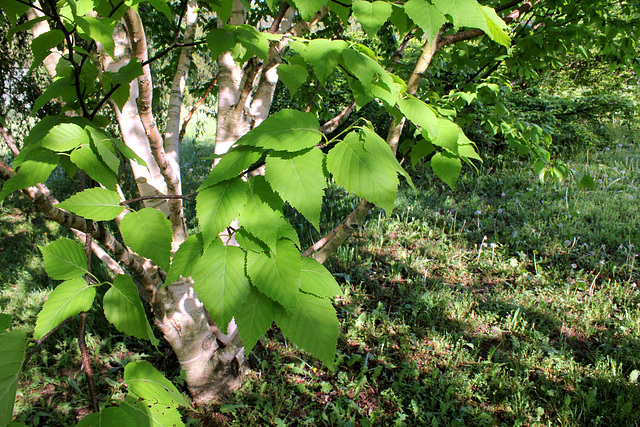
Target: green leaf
{"points": [[232, 163], [293, 76], [286, 130], [220, 40], [257, 217], [317, 280], [495, 27], [112, 416], [277, 274], [420, 114], [308, 8], [64, 259], [123, 76], [5, 322], [12, 348], [129, 153], [104, 147], [255, 317], [400, 19], [147, 382], [52, 91], [67, 299], [148, 233], [448, 135], [64, 137], [367, 70], [87, 160], [185, 257], [253, 40], [447, 167], [100, 30], [372, 16], [220, 281], [84, 6], [98, 204], [41, 46], [151, 414], [298, 178], [464, 13], [217, 206], [14, 10], [422, 149], [323, 55], [162, 6], [123, 308], [313, 325], [362, 173], [426, 16], [379, 148], [33, 171]]}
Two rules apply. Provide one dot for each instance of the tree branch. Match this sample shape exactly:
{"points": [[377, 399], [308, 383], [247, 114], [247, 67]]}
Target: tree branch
{"points": [[138, 42], [195, 107], [327, 246]]}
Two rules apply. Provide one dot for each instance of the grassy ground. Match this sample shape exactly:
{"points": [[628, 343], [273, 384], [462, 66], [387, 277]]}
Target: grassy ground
{"points": [[505, 302]]}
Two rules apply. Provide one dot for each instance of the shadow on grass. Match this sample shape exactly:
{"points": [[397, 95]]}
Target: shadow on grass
{"points": [[479, 353]]}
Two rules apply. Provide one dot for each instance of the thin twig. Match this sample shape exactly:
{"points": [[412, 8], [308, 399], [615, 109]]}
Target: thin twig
{"points": [[195, 107], [162, 196], [86, 363], [284, 6], [170, 48], [313, 97], [38, 343]]}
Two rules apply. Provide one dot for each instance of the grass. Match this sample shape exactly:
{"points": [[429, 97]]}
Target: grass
{"points": [[504, 302]]}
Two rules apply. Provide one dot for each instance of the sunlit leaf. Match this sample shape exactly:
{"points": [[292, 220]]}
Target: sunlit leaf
{"points": [[98, 204], [148, 233], [64, 259], [67, 299], [147, 382]]}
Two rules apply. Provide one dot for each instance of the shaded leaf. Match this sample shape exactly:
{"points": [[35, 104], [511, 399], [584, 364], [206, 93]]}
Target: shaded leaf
{"points": [[447, 167], [12, 348], [293, 76], [123, 308], [313, 325], [255, 317]]}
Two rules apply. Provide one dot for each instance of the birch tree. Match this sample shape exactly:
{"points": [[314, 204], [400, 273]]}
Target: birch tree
{"points": [[214, 291]]}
